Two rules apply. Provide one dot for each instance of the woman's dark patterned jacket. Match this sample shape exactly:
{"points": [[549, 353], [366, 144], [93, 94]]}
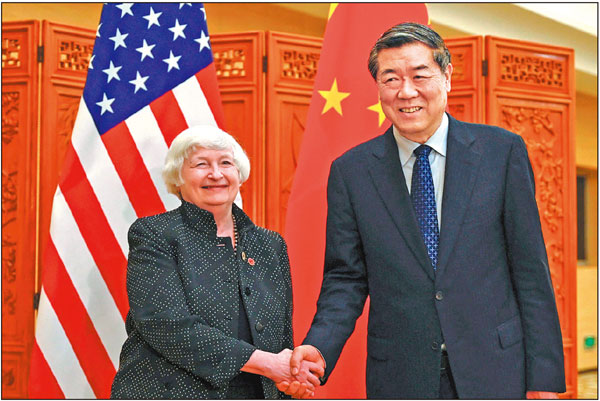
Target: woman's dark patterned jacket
{"points": [[182, 283]]}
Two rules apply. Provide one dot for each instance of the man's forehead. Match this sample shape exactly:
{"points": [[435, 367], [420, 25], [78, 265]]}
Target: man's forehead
{"points": [[417, 51], [417, 65]]}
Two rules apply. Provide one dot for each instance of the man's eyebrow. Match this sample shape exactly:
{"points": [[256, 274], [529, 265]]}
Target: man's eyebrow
{"points": [[421, 67], [417, 68], [388, 71]]}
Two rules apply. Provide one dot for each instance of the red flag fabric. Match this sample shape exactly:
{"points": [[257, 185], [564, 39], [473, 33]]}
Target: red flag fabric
{"points": [[151, 75], [344, 112]]}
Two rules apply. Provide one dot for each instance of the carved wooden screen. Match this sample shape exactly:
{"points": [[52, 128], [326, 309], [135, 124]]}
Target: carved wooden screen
{"points": [[238, 61], [465, 100], [48, 75], [19, 177], [531, 91], [292, 66]]}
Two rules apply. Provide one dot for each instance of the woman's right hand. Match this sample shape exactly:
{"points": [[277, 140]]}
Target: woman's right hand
{"points": [[308, 373], [277, 368]]}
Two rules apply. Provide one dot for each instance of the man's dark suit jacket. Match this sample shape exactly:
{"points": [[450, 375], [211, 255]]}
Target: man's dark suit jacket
{"points": [[184, 284], [491, 299]]}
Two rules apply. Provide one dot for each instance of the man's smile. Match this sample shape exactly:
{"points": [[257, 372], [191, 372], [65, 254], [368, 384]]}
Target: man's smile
{"points": [[410, 109]]}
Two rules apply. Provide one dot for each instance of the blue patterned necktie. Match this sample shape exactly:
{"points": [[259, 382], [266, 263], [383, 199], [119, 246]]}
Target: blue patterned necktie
{"points": [[422, 194]]}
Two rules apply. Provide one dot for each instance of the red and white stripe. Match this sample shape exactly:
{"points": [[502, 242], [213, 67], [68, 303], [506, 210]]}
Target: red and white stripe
{"points": [[107, 182]]}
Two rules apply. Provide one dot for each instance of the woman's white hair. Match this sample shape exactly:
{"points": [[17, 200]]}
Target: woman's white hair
{"points": [[204, 136]]}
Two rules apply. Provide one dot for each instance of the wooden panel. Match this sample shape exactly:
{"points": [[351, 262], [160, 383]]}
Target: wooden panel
{"points": [[531, 92], [19, 176], [464, 106], [292, 66], [238, 61], [67, 51], [465, 100], [528, 67]]}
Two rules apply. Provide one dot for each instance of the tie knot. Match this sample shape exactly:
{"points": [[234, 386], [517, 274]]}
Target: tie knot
{"points": [[422, 151]]}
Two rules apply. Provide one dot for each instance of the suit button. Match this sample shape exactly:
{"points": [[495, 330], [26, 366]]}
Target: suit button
{"points": [[247, 291], [259, 327], [439, 295], [435, 346]]}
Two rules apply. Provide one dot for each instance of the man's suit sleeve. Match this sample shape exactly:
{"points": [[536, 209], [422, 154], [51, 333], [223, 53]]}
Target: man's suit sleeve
{"points": [[344, 289], [531, 276], [160, 314]]}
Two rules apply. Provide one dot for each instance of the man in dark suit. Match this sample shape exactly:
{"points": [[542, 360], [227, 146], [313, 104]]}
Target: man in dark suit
{"points": [[436, 221]]}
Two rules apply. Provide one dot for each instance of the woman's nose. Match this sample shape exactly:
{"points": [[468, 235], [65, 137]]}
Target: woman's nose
{"points": [[215, 172]]}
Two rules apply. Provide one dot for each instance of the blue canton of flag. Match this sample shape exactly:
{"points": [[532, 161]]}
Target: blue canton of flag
{"points": [[142, 50]]}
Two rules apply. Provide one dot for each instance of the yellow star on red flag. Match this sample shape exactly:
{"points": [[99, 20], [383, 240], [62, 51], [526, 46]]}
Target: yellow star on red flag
{"points": [[377, 109], [333, 98]]}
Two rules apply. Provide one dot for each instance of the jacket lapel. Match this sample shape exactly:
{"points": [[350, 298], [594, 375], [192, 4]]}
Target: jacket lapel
{"points": [[461, 170], [386, 173]]}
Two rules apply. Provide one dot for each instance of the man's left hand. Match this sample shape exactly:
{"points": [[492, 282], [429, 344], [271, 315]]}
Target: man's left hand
{"points": [[541, 395]]}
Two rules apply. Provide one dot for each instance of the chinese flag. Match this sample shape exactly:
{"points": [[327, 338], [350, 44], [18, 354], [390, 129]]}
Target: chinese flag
{"points": [[344, 112]]}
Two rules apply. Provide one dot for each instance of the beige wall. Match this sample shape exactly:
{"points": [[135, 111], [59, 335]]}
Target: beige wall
{"points": [[586, 156], [85, 15], [587, 315], [586, 141], [239, 17]]}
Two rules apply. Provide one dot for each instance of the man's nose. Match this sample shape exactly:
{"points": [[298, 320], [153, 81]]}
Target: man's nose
{"points": [[407, 89]]}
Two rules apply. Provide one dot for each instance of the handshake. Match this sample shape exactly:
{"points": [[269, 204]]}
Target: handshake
{"points": [[298, 371]]}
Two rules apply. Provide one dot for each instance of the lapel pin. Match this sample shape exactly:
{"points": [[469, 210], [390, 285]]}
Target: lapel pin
{"points": [[243, 256], [251, 261]]}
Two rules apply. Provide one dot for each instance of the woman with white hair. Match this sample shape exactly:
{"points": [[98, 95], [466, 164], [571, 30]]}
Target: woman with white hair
{"points": [[209, 292]]}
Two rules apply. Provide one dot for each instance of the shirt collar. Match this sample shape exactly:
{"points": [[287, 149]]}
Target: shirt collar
{"points": [[438, 141]]}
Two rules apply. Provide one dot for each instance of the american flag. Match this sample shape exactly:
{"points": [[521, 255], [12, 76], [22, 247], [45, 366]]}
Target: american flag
{"points": [[151, 76]]}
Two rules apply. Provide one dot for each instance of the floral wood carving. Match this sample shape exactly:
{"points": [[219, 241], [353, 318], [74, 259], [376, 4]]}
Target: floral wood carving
{"points": [[9, 258], [9, 195], [9, 208], [458, 62], [296, 133], [530, 69], [539, 133], [9, 301], [74, 56], [10, 116], [299, 65], [11, 53], [457, 109], [555, 258], [230, 63], [8, 377], [67, 113]]}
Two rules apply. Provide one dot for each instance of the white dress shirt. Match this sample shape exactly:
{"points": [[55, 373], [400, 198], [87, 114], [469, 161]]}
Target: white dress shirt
{"points": [[437, 160]]}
